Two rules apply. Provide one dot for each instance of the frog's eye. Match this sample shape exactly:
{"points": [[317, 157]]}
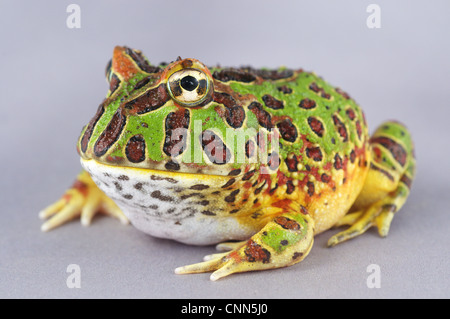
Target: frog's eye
{"points": [[188, 87]]}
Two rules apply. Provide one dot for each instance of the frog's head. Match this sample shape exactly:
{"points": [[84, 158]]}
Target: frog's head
{"points": [[174, 117]]}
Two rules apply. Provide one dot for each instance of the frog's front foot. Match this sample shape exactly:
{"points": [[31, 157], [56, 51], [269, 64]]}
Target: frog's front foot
{"points": [[284, 241], [83, 199]]}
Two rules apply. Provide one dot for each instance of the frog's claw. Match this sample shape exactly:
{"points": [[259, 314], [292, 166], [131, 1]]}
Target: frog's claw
{"points": [[284, 241], [83, 199], [386, 186]]}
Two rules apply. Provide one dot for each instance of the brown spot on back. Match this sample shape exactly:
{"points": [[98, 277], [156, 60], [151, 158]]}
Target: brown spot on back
{"points": [[352, 156], [325, 178], [214, 148], [151, 100], [90, 128], [263, 117], [340, 127], [270, 74], [135, 149], [235, 116], [314, 153], [273, 161], [337, 162], [272, 102], [344, 94], [292, 163], [176, 127], [250, 149], [351, 114], [315, 88], [284, 89], [234, 113], [111, 134], [307, 104], [316, 126], [232, 74], [288, 131], [290, 187], [358, 129]]}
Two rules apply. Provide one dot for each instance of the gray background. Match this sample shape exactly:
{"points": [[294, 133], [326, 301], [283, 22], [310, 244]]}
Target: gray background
{"points": [[52, 80]]}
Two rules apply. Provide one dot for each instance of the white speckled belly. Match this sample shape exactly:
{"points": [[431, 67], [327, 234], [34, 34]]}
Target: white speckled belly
{"points": [[165, 205]]}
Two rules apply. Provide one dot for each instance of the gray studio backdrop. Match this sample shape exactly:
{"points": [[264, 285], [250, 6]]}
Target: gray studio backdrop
{"points": [[52, 80]]}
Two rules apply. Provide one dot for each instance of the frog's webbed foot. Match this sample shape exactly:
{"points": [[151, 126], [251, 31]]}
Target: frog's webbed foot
{"points": [[284, 241], [387, 183], [379, 215], [83, 199]]}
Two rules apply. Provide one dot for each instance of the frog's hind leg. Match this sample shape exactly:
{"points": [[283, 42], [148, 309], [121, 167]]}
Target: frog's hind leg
{"points": [[283, 241], [387, 184]]}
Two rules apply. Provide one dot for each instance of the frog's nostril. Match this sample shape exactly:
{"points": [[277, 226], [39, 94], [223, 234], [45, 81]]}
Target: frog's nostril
{"points": [[189, 83]]}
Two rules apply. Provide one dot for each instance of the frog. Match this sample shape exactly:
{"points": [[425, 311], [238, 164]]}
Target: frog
{"points": [[257, 161]]}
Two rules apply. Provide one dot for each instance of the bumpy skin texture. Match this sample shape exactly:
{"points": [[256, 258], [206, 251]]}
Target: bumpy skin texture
{"points": [[204, 155]]}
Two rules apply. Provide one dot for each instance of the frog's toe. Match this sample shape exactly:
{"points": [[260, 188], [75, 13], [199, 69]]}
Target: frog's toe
{"points": [[383, 222], [231, 245], [358, 227], [378, 215], [205, 266], [214, 256], [67, 208], [222, 265]]}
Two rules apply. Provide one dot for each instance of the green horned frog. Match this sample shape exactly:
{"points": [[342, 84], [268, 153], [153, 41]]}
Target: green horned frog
{"points": [[257, 160]]}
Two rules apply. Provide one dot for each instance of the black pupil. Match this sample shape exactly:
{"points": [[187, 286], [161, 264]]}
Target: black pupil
{"points": [[189, 83]]}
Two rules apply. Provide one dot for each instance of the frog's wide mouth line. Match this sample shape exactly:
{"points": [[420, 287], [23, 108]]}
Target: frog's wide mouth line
{"points": [[92, 164]]}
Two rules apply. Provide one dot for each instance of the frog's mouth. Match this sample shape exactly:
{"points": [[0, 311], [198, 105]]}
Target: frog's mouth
{"points": [[92, 165], [171, 167]]}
